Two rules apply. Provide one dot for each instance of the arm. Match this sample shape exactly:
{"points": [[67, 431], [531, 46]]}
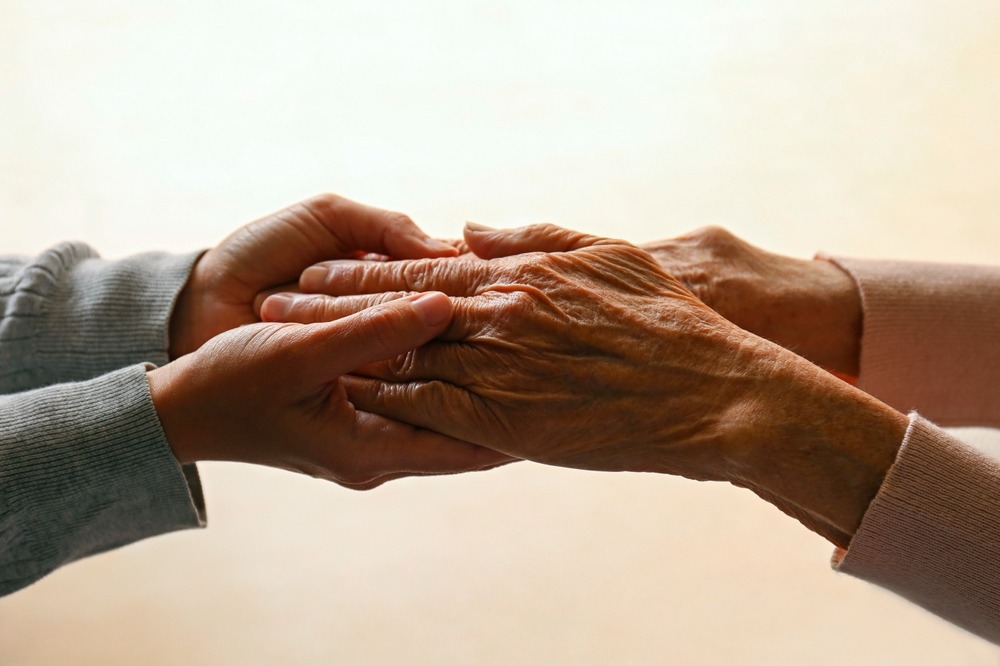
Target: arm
{"points": [[928, 343], [68, 315], [92, 466], [931, 534], [84, 467], [594, 358], [918, 336]]}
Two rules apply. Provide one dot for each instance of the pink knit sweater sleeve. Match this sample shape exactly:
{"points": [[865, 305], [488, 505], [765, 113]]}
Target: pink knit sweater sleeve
{"points": [[931, 338], [930, 344]]}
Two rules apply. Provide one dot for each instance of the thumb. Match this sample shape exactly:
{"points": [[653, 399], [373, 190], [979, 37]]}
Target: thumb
{"points": [[490, 243], [375, 334]]}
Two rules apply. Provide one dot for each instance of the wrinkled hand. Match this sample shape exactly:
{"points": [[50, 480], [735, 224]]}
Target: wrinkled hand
{"points": [[272, 394], [274, 250], [810, 307], [583, 352]]}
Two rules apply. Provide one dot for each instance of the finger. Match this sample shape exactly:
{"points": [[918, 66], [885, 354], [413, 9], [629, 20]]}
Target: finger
{"points": [[433, 405], [448, 362], [490, 243], [276, 248], [470, 316], [397, 449], [259, 299], [381, 480], [357, 227], [330, 350], [458, 243], [344, 277], [291, 306]]}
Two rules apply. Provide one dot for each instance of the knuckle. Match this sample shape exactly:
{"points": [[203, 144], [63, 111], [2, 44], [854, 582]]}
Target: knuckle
{"points": [[547, 230], [355, 475], [379, 325], [362, 277], [402, 365], [362, 487], [397, 219], [325, 202], [430, 397], [384, 393], [516, 304], [531, 265], [713, 235], [325, 207], [319, 308], [636, 255], [415, 275]]}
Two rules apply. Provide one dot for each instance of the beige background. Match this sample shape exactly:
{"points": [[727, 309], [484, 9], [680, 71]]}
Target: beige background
{"points": [[859, 128]]}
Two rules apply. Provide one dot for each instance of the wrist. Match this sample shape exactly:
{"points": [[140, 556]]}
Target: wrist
{"points": [[835, 338], [182, 327], [815, 447], [165, 391]]}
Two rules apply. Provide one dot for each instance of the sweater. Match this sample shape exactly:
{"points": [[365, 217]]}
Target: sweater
{"points": [[84, 464], [928, 347]]}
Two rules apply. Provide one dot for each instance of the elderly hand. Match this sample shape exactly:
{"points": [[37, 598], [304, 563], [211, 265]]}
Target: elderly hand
{"points": [[272, 394], [272, 251], [579, 351], [810, 307]]}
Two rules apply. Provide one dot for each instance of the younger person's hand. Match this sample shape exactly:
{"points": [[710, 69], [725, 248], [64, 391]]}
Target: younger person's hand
{"points": [[271, 394], [272, 251]]}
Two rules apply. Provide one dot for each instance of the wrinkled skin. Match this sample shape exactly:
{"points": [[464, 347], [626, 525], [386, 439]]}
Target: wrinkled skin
{"points": [[575, 337], [273, 251], [810, 307], [578, 351]]}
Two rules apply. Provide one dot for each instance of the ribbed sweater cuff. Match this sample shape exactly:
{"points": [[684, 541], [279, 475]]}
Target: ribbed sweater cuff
{"points": [[929, 534], [929, 338], [85, 468], [106, 315]]}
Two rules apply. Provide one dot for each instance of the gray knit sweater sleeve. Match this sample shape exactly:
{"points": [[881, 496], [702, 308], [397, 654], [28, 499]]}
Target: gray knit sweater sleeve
{"points": [[68, 315], [84, 465]]}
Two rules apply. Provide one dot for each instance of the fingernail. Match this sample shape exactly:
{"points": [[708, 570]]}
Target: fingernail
{"points": [[476, 227], [313, 278], [433, 308], [277, 307]]}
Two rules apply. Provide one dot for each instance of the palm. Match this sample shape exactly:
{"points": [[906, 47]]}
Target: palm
{"points": [[274, 250]]}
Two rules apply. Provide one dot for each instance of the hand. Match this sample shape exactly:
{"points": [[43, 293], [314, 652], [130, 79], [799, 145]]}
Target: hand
{"points": [[589, 355], [272, 394], [272, 251], [810, 307]]}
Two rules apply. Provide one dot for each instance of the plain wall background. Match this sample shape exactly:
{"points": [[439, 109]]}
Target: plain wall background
{"points": [[867, 130]]}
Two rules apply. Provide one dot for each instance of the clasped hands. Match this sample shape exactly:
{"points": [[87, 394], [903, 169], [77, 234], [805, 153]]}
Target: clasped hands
{"points": [[399, 355]]}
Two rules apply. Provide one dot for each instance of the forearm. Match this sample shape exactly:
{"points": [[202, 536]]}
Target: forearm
{"points": [[68, 315], [911, 508], [85, 468], [814, 446]]}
